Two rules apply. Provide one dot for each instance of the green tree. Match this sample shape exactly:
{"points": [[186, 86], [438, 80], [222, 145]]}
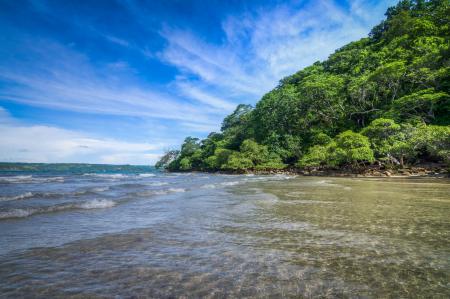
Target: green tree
{"points": [[168, 157], [353, 148], [382, 134]]}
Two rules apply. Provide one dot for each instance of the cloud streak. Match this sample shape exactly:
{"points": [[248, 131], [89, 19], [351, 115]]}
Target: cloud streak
{"points": [[56, 76], [18, 144], [259, 48]]}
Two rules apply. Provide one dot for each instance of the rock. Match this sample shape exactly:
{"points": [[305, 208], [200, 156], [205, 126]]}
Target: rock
{"points": [[387, 173]]}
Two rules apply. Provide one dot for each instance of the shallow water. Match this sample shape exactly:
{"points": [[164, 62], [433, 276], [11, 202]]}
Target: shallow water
{"points": [[151, 234]]}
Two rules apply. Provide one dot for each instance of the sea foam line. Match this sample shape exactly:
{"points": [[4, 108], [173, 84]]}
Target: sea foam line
{"points": [[86, 205], [17, 197], [23, 179]]}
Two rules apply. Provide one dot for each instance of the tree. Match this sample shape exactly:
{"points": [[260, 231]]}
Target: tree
{"points": [[185, 164], [167, 158], [238, 117], [353, 148], [424, 104], [238, 162], [382, 134], [190, 145], [318, 155]]}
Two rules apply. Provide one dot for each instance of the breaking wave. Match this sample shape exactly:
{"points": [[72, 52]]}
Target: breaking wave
{"points": [[87, 205], [17, 197], [158, 184], [24, 179], [208, 186], [160, 192], [146, 175], [114, 176], [232, 183]]}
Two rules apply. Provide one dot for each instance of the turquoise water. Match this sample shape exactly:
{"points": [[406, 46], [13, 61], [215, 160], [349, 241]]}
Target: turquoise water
{"points": [[70, 168], [126, 231]]}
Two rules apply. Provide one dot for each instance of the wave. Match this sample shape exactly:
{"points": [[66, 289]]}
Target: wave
{"points": [[118, 176], [48, 195], [232, 183], [15, 179], [208, 186], [158, 184], [130, 186], [167, 191], [86, 205], [97, 204], [281, 177], [24, 179], [106, 175], [146, 175], [100, 189], [17, 197], [160, 192], [176, 190]]}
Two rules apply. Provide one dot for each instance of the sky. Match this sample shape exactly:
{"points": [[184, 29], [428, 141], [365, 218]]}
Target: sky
{"points": [[121, 81]]}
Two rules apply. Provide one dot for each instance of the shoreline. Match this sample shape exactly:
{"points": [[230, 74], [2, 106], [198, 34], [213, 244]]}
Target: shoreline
{"points": [[369, 172]]}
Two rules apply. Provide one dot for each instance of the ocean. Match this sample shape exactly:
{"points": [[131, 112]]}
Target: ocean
{"points": [[81, 230]]}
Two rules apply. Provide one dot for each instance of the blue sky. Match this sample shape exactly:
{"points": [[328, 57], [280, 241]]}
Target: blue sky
{"points": [[120, 81]]}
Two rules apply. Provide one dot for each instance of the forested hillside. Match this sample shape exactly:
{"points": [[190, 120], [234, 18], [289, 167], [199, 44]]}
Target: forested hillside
{"points": [[383, 99]]}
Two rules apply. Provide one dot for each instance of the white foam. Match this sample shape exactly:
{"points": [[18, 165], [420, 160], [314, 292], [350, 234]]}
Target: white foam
{"points": [[29, 179], [106, 175], [15, 179], [17, 197], [283, 177], [58, 179], [176, 190], [147, 175], [16, 213], [170, 190], [87, 205], [232, 183], [158, 192], [158, 184], [100, 189], [97, 204], [208, 186]]}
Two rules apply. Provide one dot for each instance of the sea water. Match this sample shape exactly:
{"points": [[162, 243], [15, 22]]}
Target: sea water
{"points": [[78, 230]]}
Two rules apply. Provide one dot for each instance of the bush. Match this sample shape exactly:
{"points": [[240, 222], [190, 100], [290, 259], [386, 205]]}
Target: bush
{"points": [[382, 133], [238, 162], [316, 156], [353, 148], [185, 164]]}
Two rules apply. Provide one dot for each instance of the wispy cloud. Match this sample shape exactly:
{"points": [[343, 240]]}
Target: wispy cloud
{"points": [[18, 144], [194, 92], [117, 40], [259, 48], [55, 76]]}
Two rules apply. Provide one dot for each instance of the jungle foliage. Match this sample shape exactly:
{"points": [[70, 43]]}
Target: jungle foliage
{"points": [[383, 98]]}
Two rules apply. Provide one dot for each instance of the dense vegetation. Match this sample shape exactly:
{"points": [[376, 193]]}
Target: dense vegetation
{"points": [[383, 99]]}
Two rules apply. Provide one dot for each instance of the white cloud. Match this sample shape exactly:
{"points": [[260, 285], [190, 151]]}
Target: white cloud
{"points": [[55, 76], [260, 48], [36, 143], [117, 40], [194, 92]]}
